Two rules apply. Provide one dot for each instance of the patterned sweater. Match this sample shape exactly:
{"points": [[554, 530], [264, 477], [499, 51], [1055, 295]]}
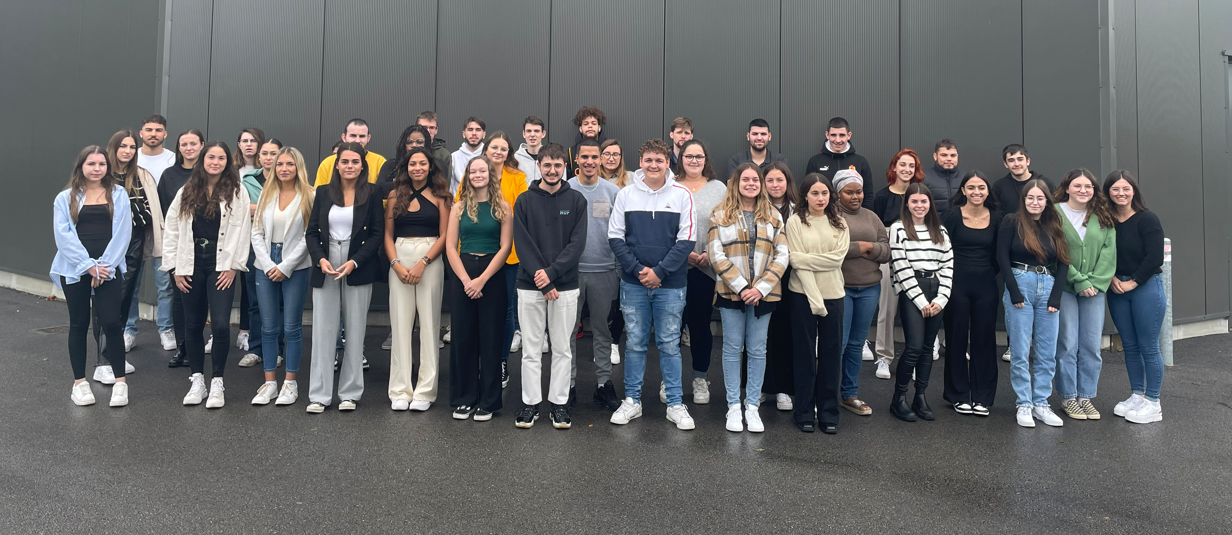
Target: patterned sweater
{"points": [[729, 247], [912, 256]]}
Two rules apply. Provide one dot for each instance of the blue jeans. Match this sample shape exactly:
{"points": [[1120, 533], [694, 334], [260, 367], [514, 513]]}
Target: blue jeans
{"points": [[1078, 336], [1031, 326], [511, 314], [859, 306], [162, 281], [743, 331], [1139, 316], [254, 305], [662, 309], [134, 311], [282, 313]]}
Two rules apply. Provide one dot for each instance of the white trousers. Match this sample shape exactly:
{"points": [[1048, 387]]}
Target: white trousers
{"points": [[560, 314], [407, 302]]}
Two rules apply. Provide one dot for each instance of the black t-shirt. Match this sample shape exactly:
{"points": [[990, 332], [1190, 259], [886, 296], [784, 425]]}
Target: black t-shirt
{"points": [[205, 227], [1010, 249], [975, 250], [888, 206], [1008, 191], [173, 179]]}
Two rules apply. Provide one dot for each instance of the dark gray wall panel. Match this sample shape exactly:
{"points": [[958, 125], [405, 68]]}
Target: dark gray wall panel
{"points": [[965, 85], [841, 59], [188, 76], [379, 65], [593, 37], [1170, 157], [1215, 37], [491, 65], [1125, 31], [270, 80], [722, 80]]}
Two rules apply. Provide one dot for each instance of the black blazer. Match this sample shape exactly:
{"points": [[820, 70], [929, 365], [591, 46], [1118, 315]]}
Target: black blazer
{"points": [[367, 236]]}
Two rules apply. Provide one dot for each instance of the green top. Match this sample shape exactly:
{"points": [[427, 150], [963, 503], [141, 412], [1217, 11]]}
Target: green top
{"points": [[483, 236], [1093, 260]]}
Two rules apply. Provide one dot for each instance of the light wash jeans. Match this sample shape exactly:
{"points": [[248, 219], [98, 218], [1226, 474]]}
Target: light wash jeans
{"points": [[1031, 326], [859, 306], [662, 309], [1078, 336], [744, 331], [1139, 315], [282, 313]]}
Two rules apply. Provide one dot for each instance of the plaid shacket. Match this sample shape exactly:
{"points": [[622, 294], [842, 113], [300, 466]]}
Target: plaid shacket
{"points": [[728, 247]]}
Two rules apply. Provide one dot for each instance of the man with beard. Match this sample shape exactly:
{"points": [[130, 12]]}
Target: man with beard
{"points": [[473, 133], [589, 121], [759, 148], [680, 133], [944, 176]]}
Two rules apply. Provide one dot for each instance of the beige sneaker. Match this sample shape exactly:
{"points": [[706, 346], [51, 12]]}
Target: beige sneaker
{"points": [[1088, 409], [1073, 409]]}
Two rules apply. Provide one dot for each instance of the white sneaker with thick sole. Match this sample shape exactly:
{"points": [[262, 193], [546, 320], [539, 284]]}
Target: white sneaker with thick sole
{"points": [[130, 341], [128, 367], [679, 415], [701, 391], [347, 405], [288, 394], [82, 395], [316, 408], [167, 338], [1127, 406], [209, 345], [735, 420], [388, 344], [627, 411], [241, 341], [783, 402], [119, 395], [104, 374], [883, 370], [1007, 356], [753, 418], [1045, 414], [1024, 417], [196, 392], [1146, 412], [420, 405], [399, 405], [216, 399], [250, 360], [265, 393], [866, 353], [516, 344]]}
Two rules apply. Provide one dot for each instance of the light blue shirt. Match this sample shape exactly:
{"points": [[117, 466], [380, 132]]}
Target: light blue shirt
{"points": [[72, 261]]}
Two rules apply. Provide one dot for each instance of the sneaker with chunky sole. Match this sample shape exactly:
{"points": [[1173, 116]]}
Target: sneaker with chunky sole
{"points": [[1045, 414], [463, 412], [627, 411], [197, 391], [316, 408], [679, 415], [1072, 409], [265, 393], [1146, 412], [753, 419], [104, 374], [883, 369], [347, 405], [167, 339], [526, 417], [130, 341], [735, 420], [979, 409], [1124, 407], [701, 391], [482, 415], [216, 398], [963, 407], [866, 352], [420, 405], [288, 394], [82, 395], [250, 360], [783, 402], [560, 417], [605, 396], [119, 394], [1088, 409], [1024, 417], [399, 405]]}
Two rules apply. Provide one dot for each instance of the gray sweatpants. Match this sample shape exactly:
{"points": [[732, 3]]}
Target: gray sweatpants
{"points": [[596, 291], [326, 302]]}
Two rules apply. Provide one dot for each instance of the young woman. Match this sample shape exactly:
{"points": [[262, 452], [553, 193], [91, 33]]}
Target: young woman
{"points": [[93, 224], [1031, 252], [479, 237], [250, 306], [1090, 236], [416, 216], [612, 164], [246, 148], [512, 183], [923, 269], [1137, 301], [187, 152], [414, 136], [281, 267], [869, 250], [344, 232], [904, 170], [818, 240], [708, 191], [205, 243], [781, 190], [972, 222], [748, 250]]}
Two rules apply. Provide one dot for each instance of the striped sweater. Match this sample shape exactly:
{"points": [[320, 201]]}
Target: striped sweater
{"points": [[908, 256]]}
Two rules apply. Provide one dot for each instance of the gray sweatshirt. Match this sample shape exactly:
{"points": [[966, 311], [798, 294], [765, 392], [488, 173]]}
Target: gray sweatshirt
{"points": [[704, 202], [597, 257]]}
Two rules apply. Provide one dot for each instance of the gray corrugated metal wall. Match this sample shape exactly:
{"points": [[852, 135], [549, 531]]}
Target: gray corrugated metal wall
{"points": [[1215, 37]]}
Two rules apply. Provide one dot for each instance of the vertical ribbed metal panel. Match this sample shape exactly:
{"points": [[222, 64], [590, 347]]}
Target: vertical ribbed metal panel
{"points": [[1125, 28], [722, 71], [188, 77], [962, 79], [1060, 80], [492, 64], [380, 65], [267, 79], [610, 55], [1215, 36], [1170, 139], [841, 59]]}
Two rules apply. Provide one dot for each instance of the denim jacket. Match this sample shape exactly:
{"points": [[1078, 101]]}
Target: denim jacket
{"points": [[71, 260]]}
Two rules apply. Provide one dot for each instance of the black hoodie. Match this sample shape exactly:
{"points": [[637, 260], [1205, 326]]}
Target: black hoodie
{"points": [[549, 232], [828, 163]]}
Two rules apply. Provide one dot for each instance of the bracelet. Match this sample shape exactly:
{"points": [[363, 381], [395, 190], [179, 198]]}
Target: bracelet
{"points": [[426, 261], [394, 261]]}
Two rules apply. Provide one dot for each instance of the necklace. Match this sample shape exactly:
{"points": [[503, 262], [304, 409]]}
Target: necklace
{"points": [[589, 189], [691, 188]]}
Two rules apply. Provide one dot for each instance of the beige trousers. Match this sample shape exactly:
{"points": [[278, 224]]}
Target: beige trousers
{"points": [[407, 302]]}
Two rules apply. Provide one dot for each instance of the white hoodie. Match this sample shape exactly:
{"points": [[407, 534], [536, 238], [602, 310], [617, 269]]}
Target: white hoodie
{"points": [[461, 157]]}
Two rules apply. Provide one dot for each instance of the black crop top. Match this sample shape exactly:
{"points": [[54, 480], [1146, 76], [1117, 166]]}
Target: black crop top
{"points": [[94, 228], [422, 223]]}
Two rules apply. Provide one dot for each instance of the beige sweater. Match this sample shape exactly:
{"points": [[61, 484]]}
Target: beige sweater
{"points": [[817, 253]]}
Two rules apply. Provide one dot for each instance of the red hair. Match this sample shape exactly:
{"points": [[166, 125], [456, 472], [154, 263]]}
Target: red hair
{"points": [[891, 176]]}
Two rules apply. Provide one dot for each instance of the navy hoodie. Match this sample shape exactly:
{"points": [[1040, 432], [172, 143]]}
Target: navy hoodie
{"points": [[549, 231]]}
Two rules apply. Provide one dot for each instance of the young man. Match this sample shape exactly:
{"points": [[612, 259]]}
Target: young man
{"points": [[598, 273], [838, 153], [758, 152], [680, 133], [440, 151], [589, 121], [944, 176], [355, 131], [549, 230], [651, 232], [473, 132], [533, 131], [1008, 188], [153, 157]]}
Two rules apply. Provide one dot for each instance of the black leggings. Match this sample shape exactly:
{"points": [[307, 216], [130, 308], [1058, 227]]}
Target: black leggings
{"points": [[132, 261], [818, 368], [475, 353], [972, 309], [106, 301], [204, 297], [698, 312], [917, 329]]}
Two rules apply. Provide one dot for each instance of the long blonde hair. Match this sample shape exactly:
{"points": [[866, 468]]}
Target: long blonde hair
{"points": [[466, 193], [728, 211], [273, 185]]}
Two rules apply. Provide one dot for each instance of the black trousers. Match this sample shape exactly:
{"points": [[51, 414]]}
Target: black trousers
{"points": [[818, 368], [971, 314], [478, 333], [132, 260], [106, 301], [698, 312], [204, 297], [916, 330], [615, 320], [780, 348]]}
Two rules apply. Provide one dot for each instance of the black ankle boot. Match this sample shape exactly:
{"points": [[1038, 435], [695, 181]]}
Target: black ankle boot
{"points": [[899, 408], [921, 408]]}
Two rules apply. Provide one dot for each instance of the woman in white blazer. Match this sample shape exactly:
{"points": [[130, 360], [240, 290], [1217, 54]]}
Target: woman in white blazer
{"points": [[205, 243], [282, 261]]}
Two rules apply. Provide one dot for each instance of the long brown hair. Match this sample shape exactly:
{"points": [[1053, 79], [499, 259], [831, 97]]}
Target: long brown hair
{"points": [[622, 174], [729, 211], [1049, 219], [931, 219], [466, 192], [77, 182], [510, 160], [131, 179], [707, 169], [1137, 203], [1099, 205], [363, 188], [403, 187], [238, 157], [196, 194], [791, 197], [836, 219]]}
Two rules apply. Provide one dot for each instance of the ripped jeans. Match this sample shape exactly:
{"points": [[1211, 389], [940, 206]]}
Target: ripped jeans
{"points": [[643, 308]]}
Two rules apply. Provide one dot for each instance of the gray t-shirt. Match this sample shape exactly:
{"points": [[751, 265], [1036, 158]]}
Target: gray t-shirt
{"points": [[597, 257], [704, 202], [1077, 218]]}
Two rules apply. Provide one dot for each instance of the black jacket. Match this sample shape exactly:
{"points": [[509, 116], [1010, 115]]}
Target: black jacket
{"points": [[943, 184], [367, 236], [828, 163], [1007, 191], [549, 232], [747, 156]]}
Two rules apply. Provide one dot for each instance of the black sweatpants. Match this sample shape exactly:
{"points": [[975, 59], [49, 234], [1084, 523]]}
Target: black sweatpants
{"points": [[478, 334], [971, 314], [204, 297], [818, 368], [916, 330], [106, 301]]}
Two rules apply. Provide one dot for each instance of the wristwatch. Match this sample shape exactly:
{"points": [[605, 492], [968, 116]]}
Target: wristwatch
{"points": [[426, 260]]}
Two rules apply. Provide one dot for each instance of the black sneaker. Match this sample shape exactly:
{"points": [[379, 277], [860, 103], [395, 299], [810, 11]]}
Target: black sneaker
{"points": [[560, 417], [482, 415], [178, 359], [605, 396], [572, 397], [463, 412], [504, 374], [527, 416]]}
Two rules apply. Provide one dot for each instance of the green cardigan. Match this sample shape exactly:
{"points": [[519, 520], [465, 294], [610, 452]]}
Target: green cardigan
{"points": [[1092, 261]]}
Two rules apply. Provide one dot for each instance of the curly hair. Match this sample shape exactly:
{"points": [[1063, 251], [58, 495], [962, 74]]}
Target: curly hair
{"points": [[892, 177], [195, 194], [589, 111], [466, 193]]}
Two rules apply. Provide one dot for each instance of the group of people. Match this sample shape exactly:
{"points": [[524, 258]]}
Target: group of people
{"points": [[531, 241]]}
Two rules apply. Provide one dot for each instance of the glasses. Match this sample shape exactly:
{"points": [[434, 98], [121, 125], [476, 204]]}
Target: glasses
{"points": [[1082, 187], [694, 157], [611, 155]]}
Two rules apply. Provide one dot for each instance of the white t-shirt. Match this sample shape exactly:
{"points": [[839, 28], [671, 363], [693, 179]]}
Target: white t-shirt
{"points": [[156, 164], [340, 220], [1076, 218], [279, 229]]}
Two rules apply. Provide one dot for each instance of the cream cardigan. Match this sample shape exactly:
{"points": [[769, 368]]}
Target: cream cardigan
{"points": [[234, 236], [816, 258]]}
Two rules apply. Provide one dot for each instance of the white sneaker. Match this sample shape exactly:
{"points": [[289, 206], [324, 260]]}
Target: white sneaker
{"points": [[288, 394], [627, 411], [1006, 356], [936, 350], [209, 345], [783, 402], [735, 421], [81, 394], [104, 374], [388, 344], [883, 370], [1045, 414], [753, 418], [662, 392], [119, 395], [316, 408], [1129, 405], [516, 344], [440, 344], [615, 353], [265, 393], [128, 367], [448, 334], [196, 392], [701, 391], [280, 361], [346, 405], [250, 360], [420, 405], [1146, 412], [1024, 417], [684, 337], [130, 340], [400, 405], [241, 341], [679, 415], [215, 400], [168, 340], [866, 353]]}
